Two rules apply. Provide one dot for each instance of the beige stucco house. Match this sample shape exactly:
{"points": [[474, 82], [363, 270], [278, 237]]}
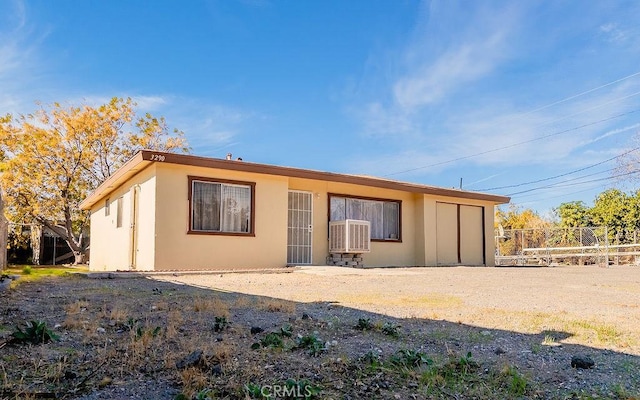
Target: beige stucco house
{"points": [[165, 212]]}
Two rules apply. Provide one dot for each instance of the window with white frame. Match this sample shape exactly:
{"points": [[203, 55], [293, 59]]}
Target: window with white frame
{"points": [[220, 206], [382, 214]]}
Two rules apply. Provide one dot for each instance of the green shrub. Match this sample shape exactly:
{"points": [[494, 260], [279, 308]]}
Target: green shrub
{"points": [[391, 329], [312, 343], [220, 324], [274, 339], [516, 383], [364, 324], [410, 359], [36, 332], [254, 391]]}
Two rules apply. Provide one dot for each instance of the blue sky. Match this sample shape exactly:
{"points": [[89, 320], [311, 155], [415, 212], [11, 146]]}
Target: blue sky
{"points": [[496, 93]]}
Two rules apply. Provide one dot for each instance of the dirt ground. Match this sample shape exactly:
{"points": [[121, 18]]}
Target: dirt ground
{"points": [[527, 299], [333, 333]]}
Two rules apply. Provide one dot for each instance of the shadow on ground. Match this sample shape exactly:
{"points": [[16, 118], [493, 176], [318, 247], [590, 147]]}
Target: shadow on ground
{"points": [[141, 338]]}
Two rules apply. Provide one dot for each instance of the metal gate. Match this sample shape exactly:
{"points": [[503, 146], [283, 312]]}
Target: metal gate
{"points": [[299, 228]]}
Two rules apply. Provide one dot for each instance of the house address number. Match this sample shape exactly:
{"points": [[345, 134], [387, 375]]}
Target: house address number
{"points": [[157, 157]]}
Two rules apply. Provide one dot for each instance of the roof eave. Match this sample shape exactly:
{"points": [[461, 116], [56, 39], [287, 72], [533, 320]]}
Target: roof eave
{"points": [[246, 166], [136, 164], [144, 158]]}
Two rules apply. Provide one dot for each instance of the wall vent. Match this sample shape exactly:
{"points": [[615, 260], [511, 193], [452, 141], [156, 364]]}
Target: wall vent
{"points": [[349, 236]]}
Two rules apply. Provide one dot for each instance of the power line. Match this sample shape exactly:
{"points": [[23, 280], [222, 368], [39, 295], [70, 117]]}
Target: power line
{"points": [[547, 123], [562, 195], [559, 176], [548, 189], [591, 109], [559, 185], [581, 94], [515, 144]]}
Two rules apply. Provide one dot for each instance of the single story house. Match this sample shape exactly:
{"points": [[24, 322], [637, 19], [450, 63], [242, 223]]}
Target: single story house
{"points": [[174, 212]]}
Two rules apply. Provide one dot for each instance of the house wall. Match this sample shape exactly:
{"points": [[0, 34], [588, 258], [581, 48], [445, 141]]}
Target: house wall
{"points": [[111, 246], [382, 253], [440, 234], [420, 231], [163, 222], [178, 250]]}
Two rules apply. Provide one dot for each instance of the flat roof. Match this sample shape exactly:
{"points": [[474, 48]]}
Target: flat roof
{"points": [[144, 158]]}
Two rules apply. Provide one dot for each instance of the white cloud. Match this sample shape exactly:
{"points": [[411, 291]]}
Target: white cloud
{"points": [[450, 101], [496, 135], [614, 33], [18, 61], [24, 79], [611, 133], [380, 120], [209, 127], [436, 64], [435, 81], [151, 103]]}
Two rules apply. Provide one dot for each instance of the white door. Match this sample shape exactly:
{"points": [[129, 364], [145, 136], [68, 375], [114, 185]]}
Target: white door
{"points": [[299, 228], [447, 252], [133, 253], [472, 235]]}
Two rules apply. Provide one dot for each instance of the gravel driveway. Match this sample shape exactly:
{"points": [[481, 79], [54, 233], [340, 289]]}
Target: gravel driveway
{"points": [[599, 307]]}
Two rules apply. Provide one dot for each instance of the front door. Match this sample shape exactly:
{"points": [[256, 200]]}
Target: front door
{"points": [[299, 228], [133, 253]]}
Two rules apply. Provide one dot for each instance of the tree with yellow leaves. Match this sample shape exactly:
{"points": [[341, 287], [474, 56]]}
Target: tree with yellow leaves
{"points": [[52, 159]]}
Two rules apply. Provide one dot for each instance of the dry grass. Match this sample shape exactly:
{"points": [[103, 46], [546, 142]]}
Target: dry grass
{"points": [[161, 305], [145, 336], [174, 320], [193, 380], [118, 314], [580, 331], [76, 315], [243, 302], [214, 305], [276, 305]]}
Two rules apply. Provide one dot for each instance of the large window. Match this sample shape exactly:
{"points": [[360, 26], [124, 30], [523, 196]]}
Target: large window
{"points": [[384, 215], [220, 206]]}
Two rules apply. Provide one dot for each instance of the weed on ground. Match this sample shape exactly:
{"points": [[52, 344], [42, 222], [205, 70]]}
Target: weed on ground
{"points": [[74, 338]]}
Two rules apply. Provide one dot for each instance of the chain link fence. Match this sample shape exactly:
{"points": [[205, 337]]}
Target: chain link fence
{"points": [[567, 246]]}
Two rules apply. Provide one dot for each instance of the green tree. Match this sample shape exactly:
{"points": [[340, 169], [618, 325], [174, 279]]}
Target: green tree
{"points": [[632, 218], [573, 214], [617, 211], [52, 159]]}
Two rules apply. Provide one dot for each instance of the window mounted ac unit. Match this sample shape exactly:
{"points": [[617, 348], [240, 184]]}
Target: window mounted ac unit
{"points": [[349, 236]]}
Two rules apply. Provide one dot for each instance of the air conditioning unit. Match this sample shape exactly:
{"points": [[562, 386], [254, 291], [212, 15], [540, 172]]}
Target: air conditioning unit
{"points": [[349, 236]]}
